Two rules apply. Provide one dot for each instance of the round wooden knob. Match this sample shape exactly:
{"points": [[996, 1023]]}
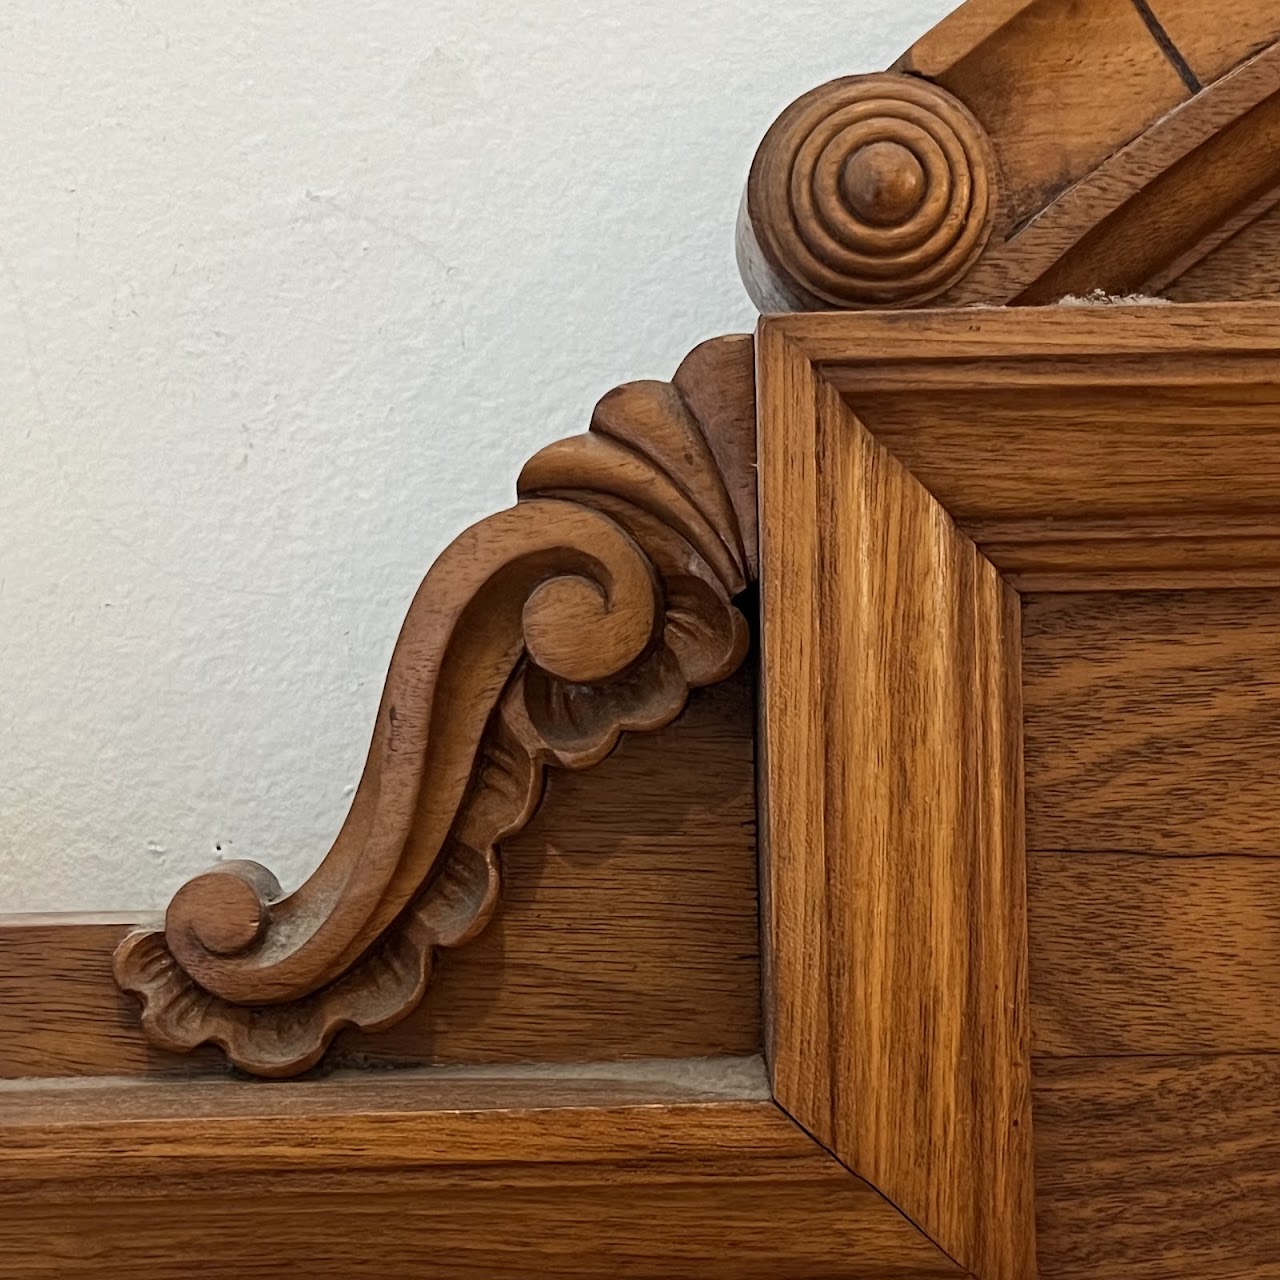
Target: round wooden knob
{"points": [[869, 191], [884, 183]]}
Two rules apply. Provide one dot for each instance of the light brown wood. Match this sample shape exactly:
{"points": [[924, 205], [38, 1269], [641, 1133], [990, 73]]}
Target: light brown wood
{"points": [[1113, 448], [1104, 447], [869, 190], [1158, 1168], [539, 636], [1209, 45], [1037, 84], [1039, 148], [629, 928], [992, 115], [61, 1012], [1156, 206], [638, 1175], [917, 470], [1244, 264], [1153, 721], [971, 26], [1140, 954], [894, 862]]}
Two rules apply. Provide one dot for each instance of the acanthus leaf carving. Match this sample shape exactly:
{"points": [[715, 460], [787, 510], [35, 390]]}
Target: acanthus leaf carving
{"points": [[543, 633]]}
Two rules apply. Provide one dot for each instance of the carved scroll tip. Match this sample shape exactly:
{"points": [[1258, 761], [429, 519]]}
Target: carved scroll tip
{"points": [[225, 910]]}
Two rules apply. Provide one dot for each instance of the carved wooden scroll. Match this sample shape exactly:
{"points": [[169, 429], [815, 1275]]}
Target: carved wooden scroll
{"points": [[588, 609]]}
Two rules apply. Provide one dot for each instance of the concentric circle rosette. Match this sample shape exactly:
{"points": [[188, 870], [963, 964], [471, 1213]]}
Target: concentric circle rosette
{"points": [[872, 191]]}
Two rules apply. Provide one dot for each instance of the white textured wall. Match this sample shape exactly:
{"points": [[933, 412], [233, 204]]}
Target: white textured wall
{"points": [[288, 291]]}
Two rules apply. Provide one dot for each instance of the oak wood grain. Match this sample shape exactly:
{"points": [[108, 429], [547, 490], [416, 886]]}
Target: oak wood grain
{"points": [[1158, 1168], [1033, 81], [1139, 954], [894, 863], [640, 1176], [629, 928], [1112, 447], [1153, 721], [1244, 265], [1207, 44]]}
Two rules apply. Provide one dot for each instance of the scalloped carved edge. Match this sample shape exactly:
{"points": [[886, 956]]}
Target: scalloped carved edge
{"points": [[543, 633]]}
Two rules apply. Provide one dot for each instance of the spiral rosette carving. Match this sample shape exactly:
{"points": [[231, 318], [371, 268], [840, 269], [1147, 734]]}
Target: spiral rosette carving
{"points": [[588, 609], [869, 191]]}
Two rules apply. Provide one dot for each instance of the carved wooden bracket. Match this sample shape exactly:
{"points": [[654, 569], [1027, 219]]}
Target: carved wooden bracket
{"points": [[541, 634]]}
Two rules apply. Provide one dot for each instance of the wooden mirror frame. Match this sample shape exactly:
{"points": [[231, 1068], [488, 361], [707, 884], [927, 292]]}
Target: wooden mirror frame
{"points": [[886, 1129]]}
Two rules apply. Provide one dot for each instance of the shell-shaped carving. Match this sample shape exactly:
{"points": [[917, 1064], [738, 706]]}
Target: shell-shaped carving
{"points": [[870, 191], [587, 610]]}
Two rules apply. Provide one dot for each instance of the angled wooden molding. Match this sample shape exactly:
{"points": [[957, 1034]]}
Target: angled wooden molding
{"points": [[918, 474], [587, 610], [893, 859], [1022, 151]]}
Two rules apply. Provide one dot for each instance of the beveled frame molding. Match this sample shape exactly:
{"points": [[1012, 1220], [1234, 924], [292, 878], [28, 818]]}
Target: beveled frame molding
{"points": [[649, 1169], [916, 472]]}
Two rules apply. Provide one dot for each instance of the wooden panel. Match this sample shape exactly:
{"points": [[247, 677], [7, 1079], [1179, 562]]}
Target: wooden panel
{"points": [[894, 863], [1153, 722], [298, 1179], [61, 1012], [1121, 446], [1158, 1169], [1246, 266], [629, 926], [1058, 86], [1144, 954], [1210, 45], [1151, 210]]}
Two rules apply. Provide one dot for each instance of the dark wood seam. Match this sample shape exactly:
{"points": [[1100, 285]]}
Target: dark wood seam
{"points": [[960, 1270], [1167, 47]]}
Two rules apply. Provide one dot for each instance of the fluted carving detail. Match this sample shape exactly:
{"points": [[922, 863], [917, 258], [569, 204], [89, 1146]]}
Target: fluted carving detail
{"points": [[872, 190], [588, 609]]}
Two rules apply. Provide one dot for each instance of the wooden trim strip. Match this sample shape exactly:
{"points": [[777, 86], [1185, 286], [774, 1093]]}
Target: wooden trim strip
{"points": [[894, 861], [1081, 448], [655, 1171]]}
